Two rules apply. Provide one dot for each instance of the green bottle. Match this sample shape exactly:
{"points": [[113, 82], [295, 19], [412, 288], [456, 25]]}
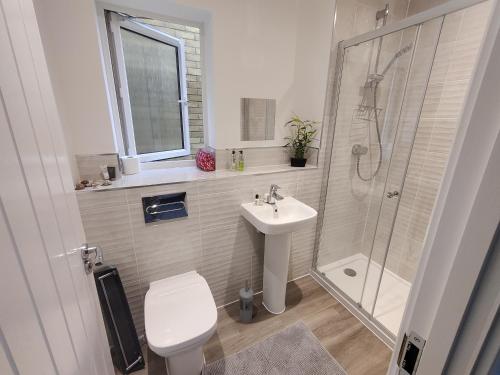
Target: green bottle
{"points": [[241, 161]]}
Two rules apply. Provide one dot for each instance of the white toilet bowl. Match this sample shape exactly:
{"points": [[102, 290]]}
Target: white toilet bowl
{"points": [[180, 317]]}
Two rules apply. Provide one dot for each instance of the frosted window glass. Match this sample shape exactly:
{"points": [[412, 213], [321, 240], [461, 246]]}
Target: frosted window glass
{"points": [[153, 85]]}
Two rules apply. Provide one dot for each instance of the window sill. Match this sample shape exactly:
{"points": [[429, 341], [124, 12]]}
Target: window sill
{"points": [[157, 176]]}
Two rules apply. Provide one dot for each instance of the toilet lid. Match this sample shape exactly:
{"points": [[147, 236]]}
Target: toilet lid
{"points": [[179, 312]]}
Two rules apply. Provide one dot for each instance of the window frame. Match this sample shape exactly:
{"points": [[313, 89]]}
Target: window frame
{"points": [[126, 124]]}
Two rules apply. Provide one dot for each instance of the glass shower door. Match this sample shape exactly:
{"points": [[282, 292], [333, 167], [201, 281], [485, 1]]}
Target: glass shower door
{"points": [[385, 290], [382, 87]]}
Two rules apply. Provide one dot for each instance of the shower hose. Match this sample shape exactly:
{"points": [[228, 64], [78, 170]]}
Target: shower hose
{"points": [[378, 140]]}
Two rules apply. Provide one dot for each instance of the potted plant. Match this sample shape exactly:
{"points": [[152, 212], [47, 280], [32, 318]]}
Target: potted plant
{"points": [[303, 132]]}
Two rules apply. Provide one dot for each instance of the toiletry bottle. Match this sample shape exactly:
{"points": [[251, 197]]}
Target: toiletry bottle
{"points": [[233, 161], [241, 161]]}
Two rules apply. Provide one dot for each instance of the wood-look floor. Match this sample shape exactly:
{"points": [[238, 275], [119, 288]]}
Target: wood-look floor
{"points": [[353, 345]]}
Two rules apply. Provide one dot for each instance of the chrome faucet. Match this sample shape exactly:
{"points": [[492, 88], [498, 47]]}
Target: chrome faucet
{"points": [[273, 194]]}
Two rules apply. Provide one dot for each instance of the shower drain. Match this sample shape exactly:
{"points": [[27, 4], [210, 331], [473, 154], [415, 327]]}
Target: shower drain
{"points": [[350, 272]]}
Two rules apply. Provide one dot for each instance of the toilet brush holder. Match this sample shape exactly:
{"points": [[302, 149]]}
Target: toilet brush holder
{"points": [[246, 304]]}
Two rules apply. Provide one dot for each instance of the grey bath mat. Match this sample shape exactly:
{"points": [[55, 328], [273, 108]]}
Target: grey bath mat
{"points": [[293, 351]]}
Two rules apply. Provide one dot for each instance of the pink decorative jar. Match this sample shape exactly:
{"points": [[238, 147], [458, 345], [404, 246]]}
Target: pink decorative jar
{"points": [[205, 160]]}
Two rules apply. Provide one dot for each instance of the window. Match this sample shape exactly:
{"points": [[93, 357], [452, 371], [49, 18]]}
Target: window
{"points": [[151, 80]]}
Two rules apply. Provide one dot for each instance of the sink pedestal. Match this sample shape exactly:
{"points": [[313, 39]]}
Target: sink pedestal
{"points": [[276, 257], [277, 222]]}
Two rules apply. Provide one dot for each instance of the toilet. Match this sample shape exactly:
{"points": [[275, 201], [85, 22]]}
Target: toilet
{"points": [[180, 317]]}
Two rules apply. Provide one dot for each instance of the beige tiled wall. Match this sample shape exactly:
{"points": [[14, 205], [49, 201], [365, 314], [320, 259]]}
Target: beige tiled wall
{"points": [[451, 73], [214, 239], [89, 165]]}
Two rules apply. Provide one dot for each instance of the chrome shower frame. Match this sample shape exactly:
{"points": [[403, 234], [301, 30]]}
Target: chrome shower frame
{"points": [[331, 109]]}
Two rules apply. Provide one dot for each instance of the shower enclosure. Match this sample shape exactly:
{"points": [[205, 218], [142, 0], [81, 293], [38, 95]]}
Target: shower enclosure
{"points": [[398, 94]]}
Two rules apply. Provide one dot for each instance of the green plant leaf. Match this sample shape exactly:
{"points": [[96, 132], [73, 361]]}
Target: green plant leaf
{"points": [[303, 132]]}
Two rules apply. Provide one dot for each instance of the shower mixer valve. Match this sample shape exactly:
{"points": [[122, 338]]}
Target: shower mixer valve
{"points": [[358, 149], [392, 194]]}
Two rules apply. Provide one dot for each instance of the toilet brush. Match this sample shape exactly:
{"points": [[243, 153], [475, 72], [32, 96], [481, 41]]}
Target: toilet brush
{"points": [[246, 299]]}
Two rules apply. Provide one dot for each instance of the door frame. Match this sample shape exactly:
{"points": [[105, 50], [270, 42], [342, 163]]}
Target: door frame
{"points": [[464, 219]]}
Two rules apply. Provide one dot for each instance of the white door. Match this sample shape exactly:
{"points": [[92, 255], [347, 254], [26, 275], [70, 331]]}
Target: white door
{"points": [[49, 315]]}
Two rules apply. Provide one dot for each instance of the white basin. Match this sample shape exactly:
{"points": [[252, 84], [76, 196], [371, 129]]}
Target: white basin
{"points": [[277, 222], [292, 215]]}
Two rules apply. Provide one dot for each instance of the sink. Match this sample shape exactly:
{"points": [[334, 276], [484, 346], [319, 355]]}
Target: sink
{"points": [[277, 222], [291, 215]]}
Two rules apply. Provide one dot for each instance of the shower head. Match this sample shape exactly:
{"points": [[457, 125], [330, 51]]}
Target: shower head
{"points": [[376, 78], [383, 13], [367, 109]]}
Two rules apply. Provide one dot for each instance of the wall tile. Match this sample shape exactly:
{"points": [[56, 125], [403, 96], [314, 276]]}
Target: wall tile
{"points": [[109, 228], [302, 252], [452, 70], [214, 239], [135, 293], [222, 209], [89, 165], [94, 200], [309, 187], [166, 248], [228, 252], [221, 185]]}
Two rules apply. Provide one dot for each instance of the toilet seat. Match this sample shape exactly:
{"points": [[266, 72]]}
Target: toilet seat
{"points": [[180, 313]]}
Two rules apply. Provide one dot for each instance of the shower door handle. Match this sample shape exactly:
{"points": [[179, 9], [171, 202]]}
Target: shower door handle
{"points": [[392, 194]]}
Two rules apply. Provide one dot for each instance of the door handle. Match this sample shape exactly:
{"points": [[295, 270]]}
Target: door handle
{"points": [[91, 256], [392, 194]]}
